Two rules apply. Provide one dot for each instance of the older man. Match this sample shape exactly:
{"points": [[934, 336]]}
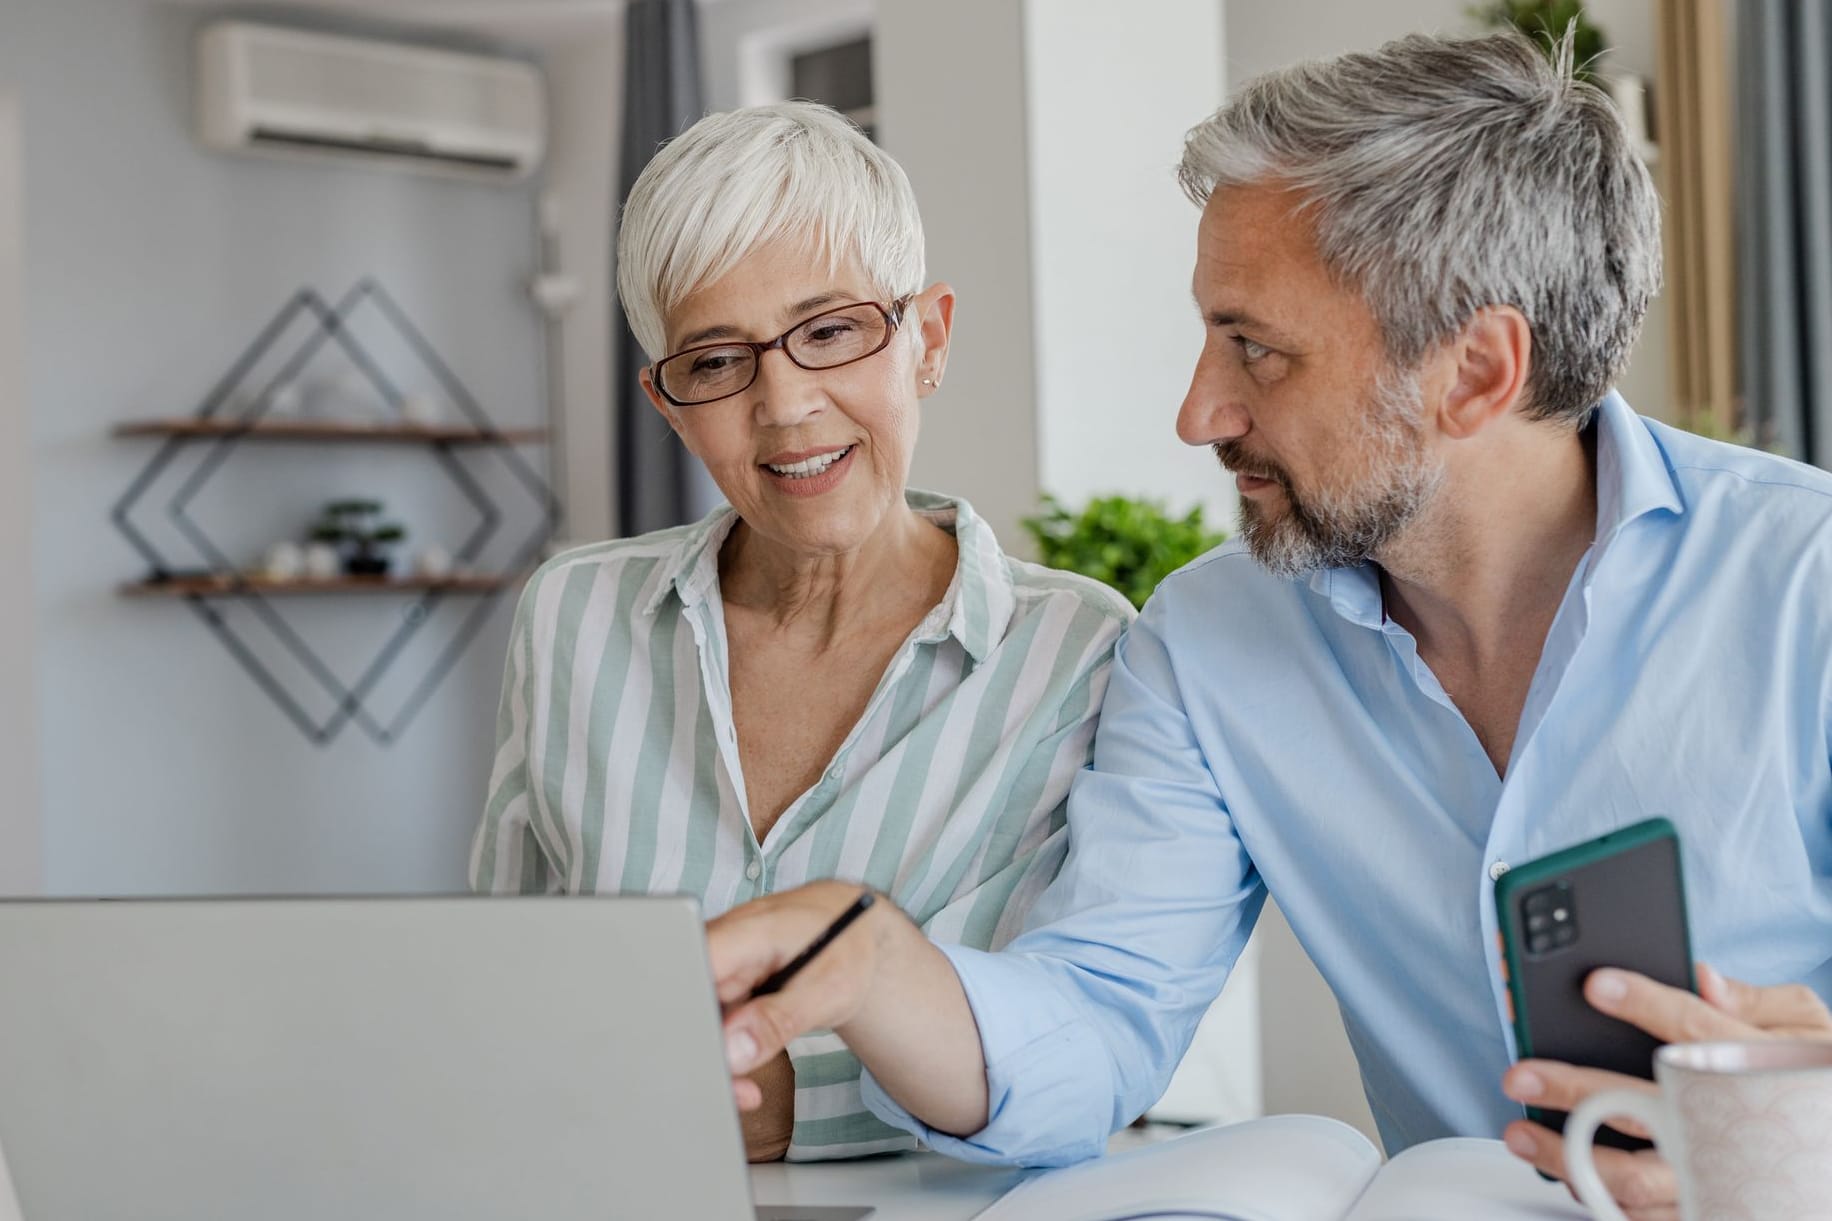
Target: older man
{"points": [[1483, 611]]}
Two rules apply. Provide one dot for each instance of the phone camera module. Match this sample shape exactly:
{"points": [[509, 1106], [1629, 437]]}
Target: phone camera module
{"points": [[1550, 918]]}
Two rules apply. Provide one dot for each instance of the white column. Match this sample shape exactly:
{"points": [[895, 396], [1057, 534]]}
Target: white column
{"points": [[1110, 90], [585, 83], [21, 841]]}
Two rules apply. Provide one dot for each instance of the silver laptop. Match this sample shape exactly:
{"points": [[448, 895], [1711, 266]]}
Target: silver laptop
{"points": [[459, 1059]]}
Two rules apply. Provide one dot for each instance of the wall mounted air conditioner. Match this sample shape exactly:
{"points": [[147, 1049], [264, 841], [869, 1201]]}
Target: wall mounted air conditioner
{"points": [[266, 89]]}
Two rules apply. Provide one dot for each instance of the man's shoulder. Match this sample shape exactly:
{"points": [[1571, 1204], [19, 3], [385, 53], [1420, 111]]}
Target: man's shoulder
{"points": [[1227, 581], [1716, 477]]}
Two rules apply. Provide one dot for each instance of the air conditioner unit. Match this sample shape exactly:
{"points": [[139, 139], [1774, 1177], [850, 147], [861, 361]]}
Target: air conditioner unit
{"points": [[266, 89]]}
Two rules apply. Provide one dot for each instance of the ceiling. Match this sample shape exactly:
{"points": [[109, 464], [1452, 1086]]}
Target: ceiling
{"points": [[537, 22]]}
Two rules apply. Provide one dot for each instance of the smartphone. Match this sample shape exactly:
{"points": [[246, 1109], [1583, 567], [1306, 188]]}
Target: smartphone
{"points": [[1616, 901]]}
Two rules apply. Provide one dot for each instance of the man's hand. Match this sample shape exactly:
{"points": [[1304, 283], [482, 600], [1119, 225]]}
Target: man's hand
{"points": [[768, 1129], [750, 942], [1642, 1182], [881, 985]]}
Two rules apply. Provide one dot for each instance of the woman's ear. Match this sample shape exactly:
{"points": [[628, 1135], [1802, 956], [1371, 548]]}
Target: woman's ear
{"points": [[933, 308], [662, 405]]}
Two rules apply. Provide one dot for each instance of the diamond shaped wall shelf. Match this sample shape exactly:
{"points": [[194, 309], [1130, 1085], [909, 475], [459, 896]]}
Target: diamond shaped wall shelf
{"points": [[219, 583]]}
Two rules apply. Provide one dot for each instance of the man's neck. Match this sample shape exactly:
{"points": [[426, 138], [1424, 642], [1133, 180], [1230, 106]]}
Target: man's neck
{"points": [[1479, 579]]}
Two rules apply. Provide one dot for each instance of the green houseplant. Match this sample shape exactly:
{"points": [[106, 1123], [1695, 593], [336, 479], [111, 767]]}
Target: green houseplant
{"points": [[1544, 22], [1126, 543], [355, 528]]}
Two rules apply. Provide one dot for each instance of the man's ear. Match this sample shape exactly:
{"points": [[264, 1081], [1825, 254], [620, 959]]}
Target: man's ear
{"points": [[934, 307], [1489, 362]]}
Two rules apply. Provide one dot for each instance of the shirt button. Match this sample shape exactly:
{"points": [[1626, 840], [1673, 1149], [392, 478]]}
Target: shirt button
{"points": [[1495, 870], [752, 870]]}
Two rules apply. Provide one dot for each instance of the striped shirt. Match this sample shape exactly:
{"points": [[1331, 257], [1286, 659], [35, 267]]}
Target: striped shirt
{"points": [[617, 766]]}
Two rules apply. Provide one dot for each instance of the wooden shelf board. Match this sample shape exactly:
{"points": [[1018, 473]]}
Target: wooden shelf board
{"points": [[325, 430], [230, 585]]}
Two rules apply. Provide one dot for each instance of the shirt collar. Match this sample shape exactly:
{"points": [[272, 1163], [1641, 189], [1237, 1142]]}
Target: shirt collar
{"points": [[1633, 477], [1633, 480], [976, 610]]}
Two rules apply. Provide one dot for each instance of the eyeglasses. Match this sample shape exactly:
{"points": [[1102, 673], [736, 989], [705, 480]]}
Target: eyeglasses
{"points": [[826, 341]]}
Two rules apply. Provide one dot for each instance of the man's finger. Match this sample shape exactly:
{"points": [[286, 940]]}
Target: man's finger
{"points": [[1789, 1007], [1641, 1182], [743, 950], [746, 1093], [1671, 1015], [757, 1031], [1560, 1087]]}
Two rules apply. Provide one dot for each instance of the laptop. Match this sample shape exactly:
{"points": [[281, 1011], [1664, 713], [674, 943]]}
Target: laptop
{"points": [[464, 1059]]}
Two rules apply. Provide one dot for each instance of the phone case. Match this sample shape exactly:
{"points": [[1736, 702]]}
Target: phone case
{"points": [[1615, 901]]}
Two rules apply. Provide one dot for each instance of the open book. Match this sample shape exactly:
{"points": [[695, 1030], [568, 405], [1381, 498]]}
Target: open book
{"points": [[1291, 1168]]}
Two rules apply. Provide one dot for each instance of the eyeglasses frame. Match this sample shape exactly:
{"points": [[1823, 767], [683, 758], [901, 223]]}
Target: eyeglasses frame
{"points": [[893, 317]]}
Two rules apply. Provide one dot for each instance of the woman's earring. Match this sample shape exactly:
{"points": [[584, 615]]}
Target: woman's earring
{"points": [[928, 381]]}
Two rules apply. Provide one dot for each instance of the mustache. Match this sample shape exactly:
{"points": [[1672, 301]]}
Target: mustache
{"points": [[1234, 456]]}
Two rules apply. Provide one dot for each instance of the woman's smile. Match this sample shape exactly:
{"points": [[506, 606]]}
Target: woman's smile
{"points": [[810, 473]]}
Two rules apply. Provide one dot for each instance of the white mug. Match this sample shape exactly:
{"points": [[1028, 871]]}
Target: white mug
{"points": [[1747, 1128]]}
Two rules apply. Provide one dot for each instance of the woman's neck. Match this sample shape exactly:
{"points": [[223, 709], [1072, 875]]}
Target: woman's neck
{"points": [[907, 560]]}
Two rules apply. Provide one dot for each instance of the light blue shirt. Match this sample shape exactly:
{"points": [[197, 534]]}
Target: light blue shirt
{"points": [[1265, 734]]}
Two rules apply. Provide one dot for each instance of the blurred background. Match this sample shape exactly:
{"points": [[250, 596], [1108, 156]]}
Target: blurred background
{"points": [[308, 350]]}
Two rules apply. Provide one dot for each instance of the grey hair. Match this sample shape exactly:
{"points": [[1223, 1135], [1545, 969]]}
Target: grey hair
{"points": [[742, 179], [1445, 176]]}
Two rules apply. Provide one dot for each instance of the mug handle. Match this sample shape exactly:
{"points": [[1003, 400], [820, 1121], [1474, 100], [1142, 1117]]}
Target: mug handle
{"points": [[1581, 1132]]}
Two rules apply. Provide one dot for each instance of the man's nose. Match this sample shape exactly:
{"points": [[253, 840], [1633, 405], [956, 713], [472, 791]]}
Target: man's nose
{"points": [[1212, 411]]}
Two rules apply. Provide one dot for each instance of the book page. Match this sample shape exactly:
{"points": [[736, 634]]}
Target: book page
{"points": [[1282, 1168], [1457, 1179]]}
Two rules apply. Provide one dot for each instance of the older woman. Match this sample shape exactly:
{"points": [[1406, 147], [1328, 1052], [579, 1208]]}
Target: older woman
{"points": [[836, 676]]}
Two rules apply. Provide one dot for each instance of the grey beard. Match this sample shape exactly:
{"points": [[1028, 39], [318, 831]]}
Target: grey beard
{"points": [[1344, 528]]}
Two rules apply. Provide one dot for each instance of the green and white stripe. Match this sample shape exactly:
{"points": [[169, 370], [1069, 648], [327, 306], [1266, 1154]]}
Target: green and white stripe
{"points": [[617, 764]]}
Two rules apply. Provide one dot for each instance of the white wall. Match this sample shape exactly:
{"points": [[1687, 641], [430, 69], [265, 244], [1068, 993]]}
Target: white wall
{"points": [[951, 108], [1110, 92], [21, 847], [151, 264]]}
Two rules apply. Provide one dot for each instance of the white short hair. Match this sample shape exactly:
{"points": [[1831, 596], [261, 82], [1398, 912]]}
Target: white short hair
{"points": [[740, 180]]}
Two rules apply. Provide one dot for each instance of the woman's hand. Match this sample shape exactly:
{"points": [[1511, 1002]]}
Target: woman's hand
{"points": [[768, 1129], [1725, 1009]]}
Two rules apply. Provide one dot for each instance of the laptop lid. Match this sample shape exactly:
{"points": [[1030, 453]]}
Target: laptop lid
{"points": [[302, 1059]]}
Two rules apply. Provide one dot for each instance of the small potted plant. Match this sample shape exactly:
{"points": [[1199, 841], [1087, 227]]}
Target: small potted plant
{"points": [[356, 529], [1126, 543]]}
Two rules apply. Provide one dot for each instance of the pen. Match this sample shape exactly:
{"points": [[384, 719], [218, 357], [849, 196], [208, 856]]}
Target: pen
{"points": [[778, 979]]}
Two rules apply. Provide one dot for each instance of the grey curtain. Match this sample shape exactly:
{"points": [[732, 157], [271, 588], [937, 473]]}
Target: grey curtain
{"points": [[1784, 210], [659, 483]]}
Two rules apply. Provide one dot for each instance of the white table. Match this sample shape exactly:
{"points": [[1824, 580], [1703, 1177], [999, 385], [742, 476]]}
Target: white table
{"points": [[929, 1187], [902, 1187]]}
